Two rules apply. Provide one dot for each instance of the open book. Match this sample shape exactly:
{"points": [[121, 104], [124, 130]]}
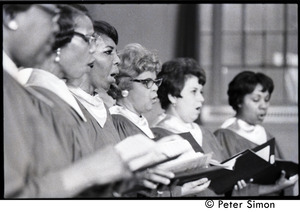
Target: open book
{"points": [[186, 162], [258, 163]]}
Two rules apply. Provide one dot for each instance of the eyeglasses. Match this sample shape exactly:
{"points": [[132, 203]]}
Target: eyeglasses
{"points": [[90, 39], [148, 82], [51, 10]]}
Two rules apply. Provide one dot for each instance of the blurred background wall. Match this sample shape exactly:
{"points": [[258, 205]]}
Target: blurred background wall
{"points": [[225, 39]]}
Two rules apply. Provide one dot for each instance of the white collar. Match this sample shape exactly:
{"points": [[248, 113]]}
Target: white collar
{"points": [[254, 133], [93, 104], [9, 66], [139, 121], [176, 125], [47, 80]]}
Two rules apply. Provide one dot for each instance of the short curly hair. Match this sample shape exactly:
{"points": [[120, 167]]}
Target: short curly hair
{"points": [[174, 74], [134, 60], [244, 83]]}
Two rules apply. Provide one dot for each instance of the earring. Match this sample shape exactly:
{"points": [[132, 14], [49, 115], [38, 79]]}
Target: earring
{"points": [[13, 25], [124, 93], [57, 58]]}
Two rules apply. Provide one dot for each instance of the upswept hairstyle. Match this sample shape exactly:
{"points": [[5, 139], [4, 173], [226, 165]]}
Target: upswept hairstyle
{"points": [[244, 83], [174, 74], [134, 60], [10, 9], [67, 24], [104, 28]]}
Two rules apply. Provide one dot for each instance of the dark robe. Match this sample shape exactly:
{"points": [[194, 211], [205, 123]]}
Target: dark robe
{"points": [[99, 136], [209, 144], [125, 127], [31, 148], [43, 136], [68, 125], [233, 143], [83, 138]]}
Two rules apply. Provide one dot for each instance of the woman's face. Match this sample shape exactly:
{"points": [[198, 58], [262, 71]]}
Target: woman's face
{"points": [[106, 63], [76, 58], [36, 30], [188, 107], [255, 105], [142, 98]]}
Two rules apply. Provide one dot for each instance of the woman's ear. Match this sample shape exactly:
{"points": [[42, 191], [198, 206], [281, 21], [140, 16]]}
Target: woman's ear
{"points": [[240, 103], [172, 99], [9, 20]]}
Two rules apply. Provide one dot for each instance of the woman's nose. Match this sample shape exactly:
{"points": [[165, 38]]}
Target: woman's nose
{"points": [[93, 47], [154, 87], [55, 28], [200, 97], [117, 60], [264, 104]]}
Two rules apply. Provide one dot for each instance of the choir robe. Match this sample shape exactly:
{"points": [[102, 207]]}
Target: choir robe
{"points": [[32, 153], [210, 144], [83, 138], [125, 127], [70, 127], [101, 129], [99, 124], [103, 136], [233, 143], [31, 157], [129, 123], [100, 138]]}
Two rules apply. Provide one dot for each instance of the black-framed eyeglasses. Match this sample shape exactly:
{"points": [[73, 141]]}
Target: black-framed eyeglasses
{"points": [[148, 82], [52, 10], [90, 39]]}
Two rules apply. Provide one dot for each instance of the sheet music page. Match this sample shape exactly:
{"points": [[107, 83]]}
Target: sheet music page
{"points": [[174, 147], [230, 164], [187, 161], [264, 153]]}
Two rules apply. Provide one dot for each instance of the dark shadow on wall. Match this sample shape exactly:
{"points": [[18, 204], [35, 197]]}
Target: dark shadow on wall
{"points": [[187, 41], [187, 36]]}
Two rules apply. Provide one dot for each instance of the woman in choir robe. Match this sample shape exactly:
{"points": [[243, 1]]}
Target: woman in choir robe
{"points": [[101, 75], [72, 57], [181, 96], [249, 95], [136, 91], [25, 41], [98, 81], [135, 94]]}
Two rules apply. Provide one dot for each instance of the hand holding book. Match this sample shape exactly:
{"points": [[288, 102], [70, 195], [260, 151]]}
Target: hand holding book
{"points": [[140, 152]]}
